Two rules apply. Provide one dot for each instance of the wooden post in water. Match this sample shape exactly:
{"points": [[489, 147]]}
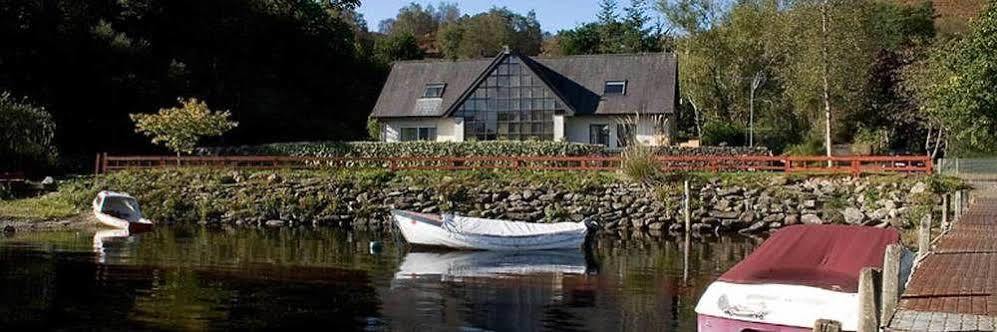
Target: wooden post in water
{"points": [[958, 206], [827, 325], [868, 292], [688, 236], [890, 295], [924, 237]]}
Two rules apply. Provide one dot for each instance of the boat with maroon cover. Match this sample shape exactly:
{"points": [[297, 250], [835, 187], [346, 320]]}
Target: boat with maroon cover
{"points": [[800, 274]]}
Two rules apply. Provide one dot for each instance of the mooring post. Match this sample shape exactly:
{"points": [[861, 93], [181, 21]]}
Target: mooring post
{"points": [[924, 237], [868, 292], [688, 217], [958, 206], [945, 212], [827, 325], [890, 295]]}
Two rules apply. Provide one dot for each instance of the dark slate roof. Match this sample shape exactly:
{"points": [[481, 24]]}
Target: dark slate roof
{"points": [[578, 80]]}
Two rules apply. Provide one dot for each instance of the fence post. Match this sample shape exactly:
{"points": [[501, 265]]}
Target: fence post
{"points": [[96, 165], [945, 211], [957, 206], [827, 325], [103, 163], [868, 308], [855, 167], [891, 283], [924, 237]]}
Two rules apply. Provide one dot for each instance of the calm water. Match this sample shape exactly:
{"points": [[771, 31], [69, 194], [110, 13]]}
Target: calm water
{"points": [[197, 279]]}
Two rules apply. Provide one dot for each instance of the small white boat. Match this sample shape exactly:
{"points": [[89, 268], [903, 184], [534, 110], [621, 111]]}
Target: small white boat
{"points": [[457, 265], [119, 210], [487, 234]]}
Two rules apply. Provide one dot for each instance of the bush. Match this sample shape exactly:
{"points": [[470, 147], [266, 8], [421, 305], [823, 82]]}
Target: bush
{"points": [[27, 135], [412, 149], [640, 165], [717, 133], [813, 146]]}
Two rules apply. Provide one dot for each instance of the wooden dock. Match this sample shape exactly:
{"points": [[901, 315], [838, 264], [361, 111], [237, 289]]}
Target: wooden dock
{"points": [[954, 288]]}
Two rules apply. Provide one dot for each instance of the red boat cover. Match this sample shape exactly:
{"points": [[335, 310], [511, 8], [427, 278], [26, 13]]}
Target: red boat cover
{"points": [[825, 256]]}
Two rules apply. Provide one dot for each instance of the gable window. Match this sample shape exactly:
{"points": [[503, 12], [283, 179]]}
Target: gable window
{"points": [[418, 134], [599, 134], [626, 135], [511, 103], [615, 88], [434, 90]]}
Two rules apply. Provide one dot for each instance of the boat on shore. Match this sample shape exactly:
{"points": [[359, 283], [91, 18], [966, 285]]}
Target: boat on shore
{"points": [[469, 233], [120, 211], [800, 274]]}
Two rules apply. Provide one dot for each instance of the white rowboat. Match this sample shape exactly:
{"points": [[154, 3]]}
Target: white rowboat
{"points": [[119, 210], [487, 234]]}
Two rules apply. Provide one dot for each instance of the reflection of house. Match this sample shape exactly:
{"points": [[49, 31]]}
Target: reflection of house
{"points": [[585, 99]]}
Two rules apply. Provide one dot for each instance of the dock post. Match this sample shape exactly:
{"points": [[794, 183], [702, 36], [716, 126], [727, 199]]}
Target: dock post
{"points": [[958, 206], [688, 236], [924, 237], [688, 217], [891, 283], [945, 212], [868, 310], [827, 325]]}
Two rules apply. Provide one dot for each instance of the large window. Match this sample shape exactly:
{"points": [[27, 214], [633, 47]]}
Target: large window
{"points": [[599, 134], [626, 135], [510, 104], [418, 134], [434, 90]]}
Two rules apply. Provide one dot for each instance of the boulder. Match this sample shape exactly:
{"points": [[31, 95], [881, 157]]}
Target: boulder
{"points": [[724, 215], [918, 188], [811, 218], [854, 216], [274, 223], [791, 219], [758, 226]]}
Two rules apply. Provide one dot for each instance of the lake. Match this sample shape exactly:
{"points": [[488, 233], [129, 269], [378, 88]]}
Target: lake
{"points": [[193, 278]]}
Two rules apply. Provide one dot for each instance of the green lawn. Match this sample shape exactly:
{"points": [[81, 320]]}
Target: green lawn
{"points": [[46, 207]]}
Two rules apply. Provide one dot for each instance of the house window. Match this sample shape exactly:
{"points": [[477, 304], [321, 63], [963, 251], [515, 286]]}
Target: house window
{"points": [[615, 88], [510, 104], [434, 90], [599, 134], [418, 134], [626, 135]]}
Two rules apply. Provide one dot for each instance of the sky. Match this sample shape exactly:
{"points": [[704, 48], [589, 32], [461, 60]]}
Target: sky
{"points": [[553, 15]]}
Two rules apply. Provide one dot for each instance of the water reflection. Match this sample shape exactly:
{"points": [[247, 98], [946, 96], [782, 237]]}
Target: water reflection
{"points": [[195, 278]]}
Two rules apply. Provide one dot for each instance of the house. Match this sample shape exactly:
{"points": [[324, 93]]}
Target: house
{"points": [[599, 99]]}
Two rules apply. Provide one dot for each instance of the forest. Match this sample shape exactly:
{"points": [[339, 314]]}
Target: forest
{"points": [[899, 76]]}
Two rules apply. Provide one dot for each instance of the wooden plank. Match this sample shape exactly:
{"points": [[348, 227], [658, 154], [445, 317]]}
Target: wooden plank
{"points": [[868, 292]]}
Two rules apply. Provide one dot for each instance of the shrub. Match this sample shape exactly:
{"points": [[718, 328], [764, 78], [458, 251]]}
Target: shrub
{"points": [[717, 133], [813, 146], [638, 163], [180, 128], [27, 134]]}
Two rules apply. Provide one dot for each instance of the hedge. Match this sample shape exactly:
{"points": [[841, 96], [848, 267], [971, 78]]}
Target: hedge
{"points": [[453, 149]]}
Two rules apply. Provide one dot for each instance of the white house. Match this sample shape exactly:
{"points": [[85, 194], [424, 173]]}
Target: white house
{"points": [[598, 99]]}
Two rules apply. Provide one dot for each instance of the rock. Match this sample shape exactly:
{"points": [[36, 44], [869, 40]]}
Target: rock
{"points": [[918, 188], [775, 217], [431, 209], [887, 204], [8, 230], [775, 225], [758, 226], [747, 217], [810, 203], [853, 216], [527, 194], [724, 215], [515, 198], [656, 226], [676, 228], [274, 178], [723, 205], [811, 218], [274, 223]]}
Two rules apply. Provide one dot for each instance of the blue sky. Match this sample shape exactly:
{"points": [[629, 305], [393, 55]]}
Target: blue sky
{"points": [[554, 15]]}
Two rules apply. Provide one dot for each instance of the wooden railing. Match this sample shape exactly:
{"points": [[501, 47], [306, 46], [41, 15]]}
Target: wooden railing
{"points": [[844, 165], [11, 177]]}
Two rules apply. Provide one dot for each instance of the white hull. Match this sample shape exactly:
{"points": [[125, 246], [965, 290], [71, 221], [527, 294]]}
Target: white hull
{"points": [[429, 230], [120, 211], [779, 304]]}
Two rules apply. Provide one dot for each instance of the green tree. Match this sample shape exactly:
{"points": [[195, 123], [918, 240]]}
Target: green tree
{"points": [[585, 39], [403, 46], [956, 87], [485, 34], [413, 19], [27, 134], [181, 128]]}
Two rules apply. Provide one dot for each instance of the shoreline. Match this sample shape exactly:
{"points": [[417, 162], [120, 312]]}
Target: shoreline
{"points": [[82, 222]]}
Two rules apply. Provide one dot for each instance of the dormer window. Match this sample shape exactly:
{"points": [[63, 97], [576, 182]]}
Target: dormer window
{"points": [[434, 90], [615, 88]]}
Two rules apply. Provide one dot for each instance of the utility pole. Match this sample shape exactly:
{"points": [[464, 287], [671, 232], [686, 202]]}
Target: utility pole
{"points": [[825, 71]]}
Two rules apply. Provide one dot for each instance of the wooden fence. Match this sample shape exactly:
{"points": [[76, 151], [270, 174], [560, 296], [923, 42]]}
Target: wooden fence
{"points": [[11, 177], [844, 165]]}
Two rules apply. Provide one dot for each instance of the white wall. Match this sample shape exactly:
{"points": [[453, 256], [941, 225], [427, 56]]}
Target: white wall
{"points": [[447, 129], [576, 129]]}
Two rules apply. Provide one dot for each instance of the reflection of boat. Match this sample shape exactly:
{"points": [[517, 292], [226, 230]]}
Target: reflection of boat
{"points": [[487, 234], [119, 210], [102, 237], [490, 264], [799, 275]]}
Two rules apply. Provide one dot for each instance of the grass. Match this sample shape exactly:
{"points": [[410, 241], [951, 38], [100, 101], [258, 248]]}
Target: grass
{"points": [[48, 207]]}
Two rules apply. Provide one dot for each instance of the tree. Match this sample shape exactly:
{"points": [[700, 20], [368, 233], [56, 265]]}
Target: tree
{"points": [[485, 34], [585, 39], [181, 128], [27, 134], [956, 87], [412, 19], [397, 47]]}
